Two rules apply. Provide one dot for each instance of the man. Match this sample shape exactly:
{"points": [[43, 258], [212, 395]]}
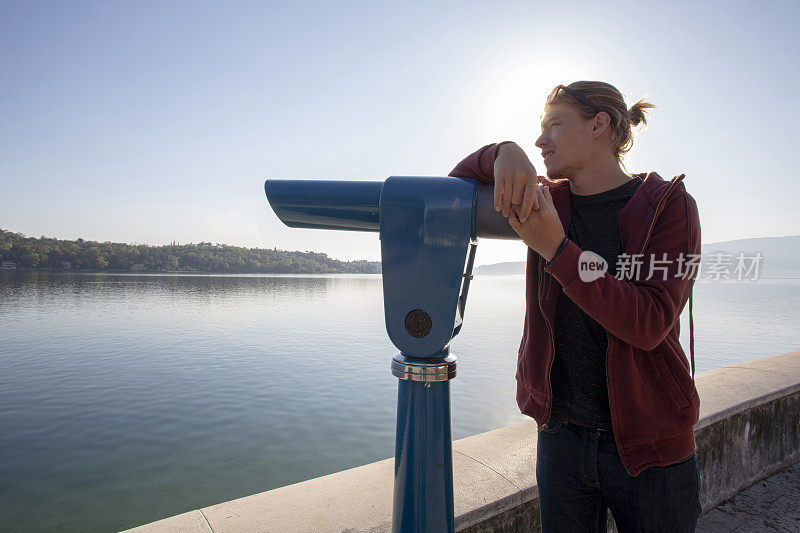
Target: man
{"points": [[610, 268]]}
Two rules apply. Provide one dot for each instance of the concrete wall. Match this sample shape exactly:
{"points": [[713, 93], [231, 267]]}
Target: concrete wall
{"points": [[749, 427]]}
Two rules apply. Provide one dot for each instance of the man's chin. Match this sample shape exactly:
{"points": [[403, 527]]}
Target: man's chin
{"points": [[556, 174], [562, 172]]}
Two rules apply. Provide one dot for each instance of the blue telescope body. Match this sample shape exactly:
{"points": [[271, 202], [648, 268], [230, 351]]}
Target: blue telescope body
{"points": [[429, 229], [354, 205]]}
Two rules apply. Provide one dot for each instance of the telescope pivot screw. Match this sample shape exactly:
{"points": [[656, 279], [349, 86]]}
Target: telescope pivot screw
{"points": [[418, 323]]}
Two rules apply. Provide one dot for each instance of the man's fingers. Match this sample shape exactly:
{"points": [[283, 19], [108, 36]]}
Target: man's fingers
{"points": [[528, 201], [546, 195], [540, 196], [518, 191], [514, 222], [510, 194], [498, 194]]}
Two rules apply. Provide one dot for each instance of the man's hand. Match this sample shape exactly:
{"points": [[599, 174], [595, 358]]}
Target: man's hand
{"points": [[542, 231], [515, 182]]}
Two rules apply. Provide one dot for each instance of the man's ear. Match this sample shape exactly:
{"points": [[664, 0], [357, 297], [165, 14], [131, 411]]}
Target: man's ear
{"points": [[600, 123]]}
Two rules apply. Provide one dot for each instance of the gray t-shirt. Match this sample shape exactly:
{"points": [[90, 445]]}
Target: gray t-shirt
{"points": [[578, 375]]}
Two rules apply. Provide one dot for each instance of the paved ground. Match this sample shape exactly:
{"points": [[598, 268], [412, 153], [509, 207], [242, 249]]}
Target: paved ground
{"points": [[772, 504]]}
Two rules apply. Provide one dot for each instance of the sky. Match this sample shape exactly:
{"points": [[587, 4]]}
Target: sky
{"points": [[154, 122]]}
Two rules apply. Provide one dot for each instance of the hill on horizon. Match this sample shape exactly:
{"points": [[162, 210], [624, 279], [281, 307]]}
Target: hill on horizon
{"points": [[780, 256]]}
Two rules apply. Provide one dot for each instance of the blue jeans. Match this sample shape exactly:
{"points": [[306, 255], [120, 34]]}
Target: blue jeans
{"points": [[581, 476]]}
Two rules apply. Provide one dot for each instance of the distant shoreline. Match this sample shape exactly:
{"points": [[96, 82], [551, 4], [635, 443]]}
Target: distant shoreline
{"points": [[200, 272], [20, 252]]}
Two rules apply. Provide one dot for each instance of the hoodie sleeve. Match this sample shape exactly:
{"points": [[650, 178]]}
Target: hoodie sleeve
{"points": [[479, 164], [637, 310]]}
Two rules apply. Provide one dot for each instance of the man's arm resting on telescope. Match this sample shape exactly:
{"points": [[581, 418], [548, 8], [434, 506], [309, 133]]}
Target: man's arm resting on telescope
{"points": [[507, 166], [479, 165]]}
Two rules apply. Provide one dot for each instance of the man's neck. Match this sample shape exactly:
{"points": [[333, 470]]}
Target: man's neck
{"points": [[598, 179]]}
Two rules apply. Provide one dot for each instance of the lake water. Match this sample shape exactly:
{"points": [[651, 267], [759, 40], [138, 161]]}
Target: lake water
{"points": [[129, 398]]}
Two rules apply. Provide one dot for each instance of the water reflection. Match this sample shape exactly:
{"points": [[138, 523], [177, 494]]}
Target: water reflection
{"points": [[127, 398]]}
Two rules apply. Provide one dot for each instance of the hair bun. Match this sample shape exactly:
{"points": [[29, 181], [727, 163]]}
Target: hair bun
{"points": [[637, 114]]}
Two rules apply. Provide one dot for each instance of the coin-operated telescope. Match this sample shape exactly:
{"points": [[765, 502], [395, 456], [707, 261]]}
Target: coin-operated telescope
{"points": [[429, 229]]}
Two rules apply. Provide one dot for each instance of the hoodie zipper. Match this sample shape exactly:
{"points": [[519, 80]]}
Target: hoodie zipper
{"points": [[608, 336], [552, 346], [608, 386], [672, 185]]}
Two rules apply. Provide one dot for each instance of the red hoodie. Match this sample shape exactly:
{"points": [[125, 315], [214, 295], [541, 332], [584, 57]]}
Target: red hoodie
{"points": [[653, 401]]}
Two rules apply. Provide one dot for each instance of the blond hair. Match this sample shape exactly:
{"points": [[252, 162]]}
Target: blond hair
{"points": [[608, 99]]}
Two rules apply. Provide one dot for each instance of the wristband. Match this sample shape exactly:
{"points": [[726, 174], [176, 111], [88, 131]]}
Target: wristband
{"points": [[558, 251]]}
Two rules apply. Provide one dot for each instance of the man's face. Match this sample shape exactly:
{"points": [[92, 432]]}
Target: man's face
{"points": [[565, 140]]}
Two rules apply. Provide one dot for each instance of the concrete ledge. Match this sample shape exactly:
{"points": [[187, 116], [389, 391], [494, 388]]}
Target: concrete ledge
{"points": [[182, 523], [749, 427], [749, 424]]}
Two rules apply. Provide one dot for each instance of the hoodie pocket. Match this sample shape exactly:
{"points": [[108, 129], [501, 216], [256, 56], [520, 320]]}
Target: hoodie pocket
{"points": [[671, 381]]}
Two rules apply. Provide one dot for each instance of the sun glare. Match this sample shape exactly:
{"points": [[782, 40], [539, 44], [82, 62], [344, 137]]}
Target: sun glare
{"points": [[511, 97]]}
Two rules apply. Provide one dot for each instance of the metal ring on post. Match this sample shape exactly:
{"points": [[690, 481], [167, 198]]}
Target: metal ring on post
{"points": [[427, 370]]}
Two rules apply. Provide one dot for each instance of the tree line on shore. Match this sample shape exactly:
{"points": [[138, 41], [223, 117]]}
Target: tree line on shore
{"points": [[17, 250]]}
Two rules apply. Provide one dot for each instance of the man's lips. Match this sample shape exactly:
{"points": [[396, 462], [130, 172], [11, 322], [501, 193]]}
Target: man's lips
{"points": [[547, 153]]}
